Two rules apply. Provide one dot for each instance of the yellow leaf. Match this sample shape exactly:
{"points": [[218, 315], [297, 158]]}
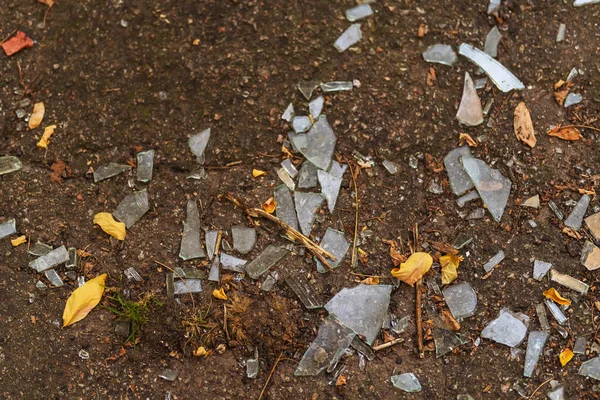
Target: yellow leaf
{"points": [[200, 352], [565, 356], [38, 114], [466, 138], [83, 300], [449, 264], [219, 294], [270, 205], [523, 126], [414, 268], [257, 172], [110, 226], [48, 131], [553, 295], [18, 241]]}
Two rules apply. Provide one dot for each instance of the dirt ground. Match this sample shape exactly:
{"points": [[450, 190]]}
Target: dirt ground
{"points": [[118, 76]]}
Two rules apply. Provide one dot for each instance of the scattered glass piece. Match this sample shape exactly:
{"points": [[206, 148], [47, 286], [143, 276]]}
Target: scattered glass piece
{"points": [[593, 224], [556, 312], [497, 259], [580, 345], [338, 170], [307, 176], [559, 214], [477, 213], [435, 187], [318, 144], [493, 188], [145, 163], [461, 300], [336, 86], [590, 256], [211, 241], [591, 368], [540, 269], [132, 208], [53, 277], [109, 170], [562, 30], [38, 249], [469, 111], [232, 263], [50, 260], [413, 162], [198, 174], [407, 382], [334, 242], [533, 202], [557, 393], [214, 275], [575, 219], [185, 286], [330, 188], [190, 241], [461, 241], [252, 366], [73, 258], [285, 209], [269, 283], [304, 292], [169, 375], [491, 42], [568, 281], [390, 166], [265, 260], [363, 348], [307, 88], [289, 113], [289, 167], [506, 329], [307, 205], [170, 284], [348, 38], [542, 316], [535, 345], [8, 228], [358, 12], [301, 124], [480, 84], [445, 341], [493, 7], [315, 107], [465, 198], [9, 164], [198, 144], [572, 99], [502, 77], [460, 182], [441, 54], [244, 238], [286, 178], [41, 285], [132, 274]]}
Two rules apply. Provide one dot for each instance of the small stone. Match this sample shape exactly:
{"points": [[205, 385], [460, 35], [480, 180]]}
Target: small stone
{"points": [[244, 238], [348, 38], [407, 382], [461, 300], [533, 202], [441, 54], [590, 256], [506, 329], [540, 269]]}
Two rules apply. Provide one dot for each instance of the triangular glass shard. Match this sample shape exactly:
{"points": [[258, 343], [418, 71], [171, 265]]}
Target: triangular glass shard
{"points": [[469, 110], [330, 188], [109, 170], [285, 209], [445, 341], [307, 205], [334, 242], [307, 88], [190, 241], [318, 144], [575, 219], [198, 144], [210, 237], [459, 179], [132, 208], [493, 188], [316, 106], [491, 42], [289, 113]]}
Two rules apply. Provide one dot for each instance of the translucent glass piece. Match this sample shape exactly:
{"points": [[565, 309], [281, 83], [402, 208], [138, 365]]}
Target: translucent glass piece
{"points": [[145, 164], [464, 199], [506, 329], [572, 99], [289, 113], [304, 292], [214, 275], [535, 345], [330, 188], [318, 144], [184, 286], [211, 241], [198, 143], [495, 260], [502, 77], [109, 170], [53, 258], [316, 106], [53, 277], [307, 88], [348, 38], [285, 209], [307, 205], [540, 269], [132, 274], [358, 12], [407, 382], [556, 312], [575, 219], [132, 208], [491, 42], [461, 300], [191, 247], [232, 263], [334, 242], [244, 238], [8, 228], [441, 54], [568, 281], [336, 86], [493, 188], [289, 167], [591, 368], [459, 179], [39, 248], [469, 111], [301, 124], [9, 164], [307, 176]]}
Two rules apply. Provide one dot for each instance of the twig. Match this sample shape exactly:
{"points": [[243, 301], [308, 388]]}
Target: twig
{"points": [[418, 318], [352, 172], [226, 166], [270, 375], [293, 234], [508, 95], [225, 322], [181, 277], [111, 90], [539, 387], [218, 243], [388, 344], [46, 15], [371, 276], [581, 126]]}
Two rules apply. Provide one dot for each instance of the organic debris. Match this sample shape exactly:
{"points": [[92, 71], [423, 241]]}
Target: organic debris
{"points": [[83, 300], [523, 126]]}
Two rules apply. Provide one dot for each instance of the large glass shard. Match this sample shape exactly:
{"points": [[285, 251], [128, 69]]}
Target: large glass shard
{"points": [[307, 88], [190, 241], [556, 312], [301, 123], [445, 341], [316, 106], [328, 347], [285, 209], [540, 269], [593, 224], [568, 281], [502, 77], [493, 7], [334, 242], [591, 368], [407, 382], [109, 170], [38, 249], [210, 237], [497, 259], [8, 228], [307, 205], [304, 292], [198, 144], [581, 3], [215, 275], [289, 113], [318, 144], [244, 238], [441, 54], [286, 178], [362, 308], [336, 86], [265, 260], [469, 110], [145, 164], [308, 175], [9, 164], [575, 219], [289, 167], [358, 12], [232, 263], [590, 256], [50, 260], [507, 329], [461, 300], [572, 99], [493, 188], [535, 345], [54, 278], [348, 38], [184, 286], [330, 188], [132, 208], [491, 42], [459, 179]]}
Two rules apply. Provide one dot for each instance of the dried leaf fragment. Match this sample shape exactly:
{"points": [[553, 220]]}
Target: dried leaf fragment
{"points": [[219, 294], [450, 263], [270, 205], [258, 172], [431, 77], [49, 3], [553, 295], [570, 232], [48, 131], [414, 268], [523, 126], [200, 352], [466, 138], [18, 241], [371, 280], [397, 258], [37, 115], [340, 381], [110, 226], [567, 133], [83, 300], [422, 31], [565, 356]]}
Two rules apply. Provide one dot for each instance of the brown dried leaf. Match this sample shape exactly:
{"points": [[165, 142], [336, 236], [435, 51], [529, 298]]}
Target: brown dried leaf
{"points": [[49, 3], [566, 133], [444, 247], [466, 138], [433, 164], [422, 31], [397, 258], [523, 126], [570, 232], [57, 169], [451, 322], [431, 77]]}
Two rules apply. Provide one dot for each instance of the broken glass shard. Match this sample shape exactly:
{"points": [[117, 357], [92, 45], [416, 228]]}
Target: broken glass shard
{"points": [[307, 205], [336, 86], [477, 213], [169, 375], [562, 30], [390, 166], [480, 84], [38, 249], [469, 110], [132, 274], [53, 277], [461, 241], [493, 188], [575, 219], [535, 345], [507, 329], [170, 284], [318, 144], [286, 178], [330, 188], [358, 12], [464, 199], [407, 382], [580, 345], [493, 6], [590, 256], [328, 347], [557, 393], [568, 281], [304, 292], [459, 179], [461, 300], [491, 42], [556, 312], [498, 257], [211, 241], [591, 368], [533, 202], [265, 260], [316, 106], [435, 187], [307, 88], [8, 228], [414, 163], [232, 263], [572, 99], [132, 208], [50, 260], [198, 144], [540, 269], [289, 168], [301, 124], [445, 341], [338, 170], [334, 242], [198, 174], [41, 285], [73, 259], [363, 348], [308, 175], [145, 163], [214, 274], [580, 3], [244, 238], [269, 283], [401, 325], [9, 164], [362, 308], [559, 214], [593, 224], [184, 286], [285, 209], [441, 54], [348, 38], [109, 170], [252, 366], [502, 77], [542, 316], [289, 113], [190, 241]]}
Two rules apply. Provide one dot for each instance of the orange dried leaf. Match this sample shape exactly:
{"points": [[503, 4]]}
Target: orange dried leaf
{"points": [[553, 295], [372, 280], [523, 126], [258, 172], [38, 114], [466, 138], [566, 133], [414, 268], [48, 131], [431, 77], [341, 380], [219, 294], [83, 300], [585, 191], [565, 356], [422, 31], [18, 241], [449, 263], [270, 205]]}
